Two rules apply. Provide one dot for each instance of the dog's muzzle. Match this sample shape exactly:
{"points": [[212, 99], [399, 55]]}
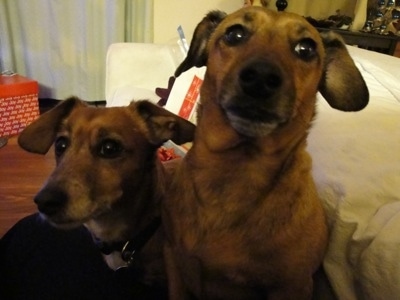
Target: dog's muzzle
{"points": [[260, 80], [258, 99], [50, 201]]}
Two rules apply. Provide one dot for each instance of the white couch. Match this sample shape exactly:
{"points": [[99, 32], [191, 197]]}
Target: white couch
{"points": [[135, 70]]}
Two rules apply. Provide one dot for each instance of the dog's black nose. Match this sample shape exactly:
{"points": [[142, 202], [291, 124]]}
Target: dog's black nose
{"points": [[51, 200], [260, 79]]}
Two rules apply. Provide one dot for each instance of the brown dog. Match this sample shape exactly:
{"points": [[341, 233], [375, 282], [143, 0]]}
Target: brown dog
{"points": [[243, 218], [108, 176]]}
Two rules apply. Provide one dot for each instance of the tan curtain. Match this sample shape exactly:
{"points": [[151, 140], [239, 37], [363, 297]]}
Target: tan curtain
{"points": [[63, 43], [360, 13]]}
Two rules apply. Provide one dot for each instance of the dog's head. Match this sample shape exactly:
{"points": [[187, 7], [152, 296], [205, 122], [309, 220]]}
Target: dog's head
{"points": [[265, 67], [104, 156]]}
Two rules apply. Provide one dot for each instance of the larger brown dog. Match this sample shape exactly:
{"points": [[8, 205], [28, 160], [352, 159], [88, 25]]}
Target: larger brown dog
{"points": [[108, 177], [243, 217]]}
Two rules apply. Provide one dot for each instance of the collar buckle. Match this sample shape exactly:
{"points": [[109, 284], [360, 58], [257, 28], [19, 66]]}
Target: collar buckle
{"points": [[128, 252]]}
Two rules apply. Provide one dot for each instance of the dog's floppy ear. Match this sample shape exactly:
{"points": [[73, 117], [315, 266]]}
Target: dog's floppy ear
{"points": [[197, 54], [342, 84], [38, 136], [163, 125]]}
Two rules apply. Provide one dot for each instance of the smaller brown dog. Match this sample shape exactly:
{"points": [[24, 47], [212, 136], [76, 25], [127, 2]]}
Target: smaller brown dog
{"points": [[242, 217], [108, 176]]}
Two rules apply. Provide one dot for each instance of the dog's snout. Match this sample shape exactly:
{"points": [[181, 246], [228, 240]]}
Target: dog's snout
{"points": [[51, 200], [260, 79]]}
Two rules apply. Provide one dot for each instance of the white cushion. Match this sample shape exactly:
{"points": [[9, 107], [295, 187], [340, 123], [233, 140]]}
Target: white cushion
{"points": [[135, 70]]}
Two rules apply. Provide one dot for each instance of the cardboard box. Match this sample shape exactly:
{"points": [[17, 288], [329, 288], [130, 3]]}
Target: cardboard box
{"points": [[182, 101], [19, 103], [185, 94]]}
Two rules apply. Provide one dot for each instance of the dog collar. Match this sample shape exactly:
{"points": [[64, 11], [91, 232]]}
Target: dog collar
{"points": [[130, 248]]}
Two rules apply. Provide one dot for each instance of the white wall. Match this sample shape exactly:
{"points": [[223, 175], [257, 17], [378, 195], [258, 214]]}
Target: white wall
{"points": [[169, 14]]}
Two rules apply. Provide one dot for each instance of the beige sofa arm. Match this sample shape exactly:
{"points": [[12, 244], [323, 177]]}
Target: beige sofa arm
{"points": [[135, 70]]}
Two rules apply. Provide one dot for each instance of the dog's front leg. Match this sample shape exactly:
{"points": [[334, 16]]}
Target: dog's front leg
{"points": [[176, 288], [294, 290]]}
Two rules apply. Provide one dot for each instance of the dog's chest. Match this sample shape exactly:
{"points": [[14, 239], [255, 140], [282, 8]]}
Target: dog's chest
{"points": [[232, 259], [241, 226], [227, 242]]}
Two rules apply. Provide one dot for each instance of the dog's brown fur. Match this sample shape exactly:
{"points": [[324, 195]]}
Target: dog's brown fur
{"points": [[243, 218], [108, 176]]}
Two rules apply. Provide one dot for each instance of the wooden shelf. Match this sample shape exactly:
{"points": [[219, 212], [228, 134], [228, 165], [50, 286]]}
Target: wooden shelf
{"points": [[370, 41]]}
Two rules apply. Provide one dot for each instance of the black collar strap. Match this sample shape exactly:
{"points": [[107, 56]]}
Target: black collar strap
{"points": [[131, 247]]}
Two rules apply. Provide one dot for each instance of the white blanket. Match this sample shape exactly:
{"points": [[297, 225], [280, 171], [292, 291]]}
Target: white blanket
{"points": [[356, 159]]}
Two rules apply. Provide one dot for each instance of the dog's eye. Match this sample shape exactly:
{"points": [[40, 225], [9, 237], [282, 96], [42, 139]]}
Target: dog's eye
{"points": [[60, 145], [109, 149], [306, 49], [235, 35]]}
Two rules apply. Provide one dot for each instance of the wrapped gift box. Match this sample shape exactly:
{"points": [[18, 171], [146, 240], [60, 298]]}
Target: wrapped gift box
{"points": [[19, 104]]}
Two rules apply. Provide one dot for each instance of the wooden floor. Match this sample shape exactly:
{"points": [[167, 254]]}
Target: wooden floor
{"points": [[21, 176]]}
